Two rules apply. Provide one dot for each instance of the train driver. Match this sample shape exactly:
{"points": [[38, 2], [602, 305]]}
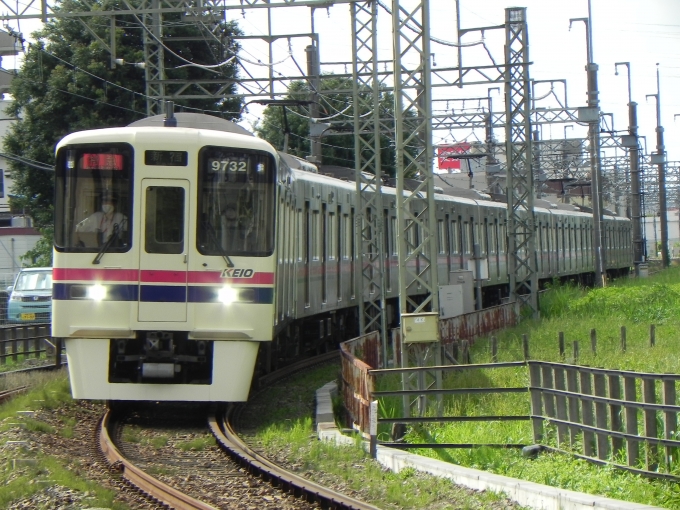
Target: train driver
{"points": [[103, 223]]}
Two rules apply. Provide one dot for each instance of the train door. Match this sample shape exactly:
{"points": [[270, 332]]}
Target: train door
{"points": [[163, 255]]}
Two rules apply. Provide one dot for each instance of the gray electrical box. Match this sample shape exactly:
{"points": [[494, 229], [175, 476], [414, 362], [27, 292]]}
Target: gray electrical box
{"points": [[458, 297], [420, 327]]}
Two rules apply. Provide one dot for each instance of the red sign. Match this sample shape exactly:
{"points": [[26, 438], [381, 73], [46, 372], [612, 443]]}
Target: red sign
{"points": [[101, 162], [448, 156]]}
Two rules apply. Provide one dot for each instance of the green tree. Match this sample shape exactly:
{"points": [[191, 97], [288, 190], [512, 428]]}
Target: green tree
{"points": [[66, 84], [335, 101]]}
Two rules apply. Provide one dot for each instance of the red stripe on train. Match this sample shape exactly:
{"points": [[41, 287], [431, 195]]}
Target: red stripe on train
{"points": [[156, 276]]}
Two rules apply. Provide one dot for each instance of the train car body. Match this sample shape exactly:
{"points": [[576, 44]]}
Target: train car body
{"points": [[218, 247]]}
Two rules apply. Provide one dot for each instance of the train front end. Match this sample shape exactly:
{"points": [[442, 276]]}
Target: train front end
{"points": [[164, 262]]}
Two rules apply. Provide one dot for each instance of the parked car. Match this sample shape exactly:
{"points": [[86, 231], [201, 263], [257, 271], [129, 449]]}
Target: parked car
{"points": [[30, 298]]}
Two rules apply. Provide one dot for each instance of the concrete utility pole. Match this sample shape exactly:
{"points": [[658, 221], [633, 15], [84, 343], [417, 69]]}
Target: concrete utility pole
{"points": [[635, 187], [314, 77], [592, 116], [660, 160]]}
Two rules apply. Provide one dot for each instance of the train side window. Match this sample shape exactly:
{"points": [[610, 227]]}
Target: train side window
{"points": [[352, 280], [347, 231], [338, 253], [485, 238], [467, 238], [308, 242], [301, 235], [441, 236], [316, 237], [455, 238], [331, 236], [164, 232], [389, 233]]}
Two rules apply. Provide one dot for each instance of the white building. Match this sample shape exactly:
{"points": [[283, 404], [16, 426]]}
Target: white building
{"points": [[652, 233], [17, 235]]}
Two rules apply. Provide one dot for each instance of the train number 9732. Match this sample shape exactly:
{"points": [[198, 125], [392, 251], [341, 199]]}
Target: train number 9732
{"points": [[228, 165]]}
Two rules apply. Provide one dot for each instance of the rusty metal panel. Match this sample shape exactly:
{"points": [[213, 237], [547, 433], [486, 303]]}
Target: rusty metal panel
{"points": [[358, 384], [479, 323]]}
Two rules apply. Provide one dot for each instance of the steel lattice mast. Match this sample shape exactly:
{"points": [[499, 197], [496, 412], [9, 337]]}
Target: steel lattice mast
{"points": [[416, 230], [367, 163], [153, 57], [520, 183]]}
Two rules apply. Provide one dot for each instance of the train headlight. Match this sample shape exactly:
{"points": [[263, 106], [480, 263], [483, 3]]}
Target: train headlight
{"points": [[96, 292], [227, 295]]}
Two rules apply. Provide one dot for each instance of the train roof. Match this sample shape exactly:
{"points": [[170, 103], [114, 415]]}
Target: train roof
{"points": [[150, 136], [194, 121]]}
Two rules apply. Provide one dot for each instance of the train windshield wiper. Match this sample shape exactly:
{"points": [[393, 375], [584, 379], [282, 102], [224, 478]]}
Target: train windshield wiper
{"points": [[213, 237], [105, 247]]}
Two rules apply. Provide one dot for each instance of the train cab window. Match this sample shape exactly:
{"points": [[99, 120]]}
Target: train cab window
{"points": [[93, 190], [236, 202], [164, 222]]}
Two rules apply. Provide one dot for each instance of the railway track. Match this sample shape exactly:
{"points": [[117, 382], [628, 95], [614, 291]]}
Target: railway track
{"points": [[208, 478], [6, 395]]}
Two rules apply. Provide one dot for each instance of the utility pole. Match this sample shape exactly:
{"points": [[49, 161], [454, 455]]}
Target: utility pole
{"points": [[659, 159], [592, 116], [314, 77], [635, 187]]}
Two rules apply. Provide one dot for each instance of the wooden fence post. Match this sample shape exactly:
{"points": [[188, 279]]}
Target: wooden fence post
{"points": [[651, 430], [572, 387], [587, 413], [670, 418], [28, 340], [13, 333], [576, 352], [41, 340], [561, 404], [525, 347], [593, 341], [615, 412], [652, 335], [632, 446], [465, 356], [536, 404], [548, 399], [623, 338], [560, 341], [601, 416], [58, 346], [3, 346]]}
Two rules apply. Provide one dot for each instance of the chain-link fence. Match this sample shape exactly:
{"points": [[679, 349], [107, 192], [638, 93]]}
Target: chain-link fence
{"points": [[6, 282]]}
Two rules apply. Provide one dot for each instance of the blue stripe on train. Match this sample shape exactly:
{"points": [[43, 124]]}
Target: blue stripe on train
{"points": [[161, 293], [259, 295]]}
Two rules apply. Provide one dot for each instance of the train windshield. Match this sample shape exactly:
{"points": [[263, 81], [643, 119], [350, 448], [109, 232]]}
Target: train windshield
{"points": [[93, 190], [236, 202]]}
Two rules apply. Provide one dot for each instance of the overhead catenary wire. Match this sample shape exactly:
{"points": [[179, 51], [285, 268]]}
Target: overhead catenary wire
{"points": [[27, 161]]}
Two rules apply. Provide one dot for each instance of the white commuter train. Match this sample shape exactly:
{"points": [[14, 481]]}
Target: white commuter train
{"points": [[180, 250]]}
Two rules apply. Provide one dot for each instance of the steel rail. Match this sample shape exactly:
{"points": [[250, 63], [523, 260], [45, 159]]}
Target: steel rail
{"points": [[229, 441], [9, 394], [134, 476]]}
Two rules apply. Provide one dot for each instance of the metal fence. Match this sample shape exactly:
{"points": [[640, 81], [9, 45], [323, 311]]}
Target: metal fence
{"points": [[361, 357], [627, 419], [23, 343]]}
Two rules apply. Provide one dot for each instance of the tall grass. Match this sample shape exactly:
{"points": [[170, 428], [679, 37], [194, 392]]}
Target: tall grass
{"points": [[574, 311]]}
